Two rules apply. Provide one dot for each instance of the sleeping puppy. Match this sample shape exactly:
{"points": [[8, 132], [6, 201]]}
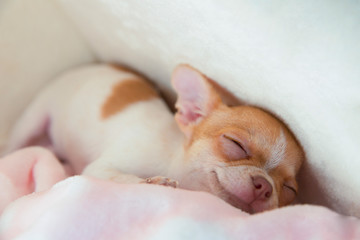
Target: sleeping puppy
{"points": [[110, 123]]}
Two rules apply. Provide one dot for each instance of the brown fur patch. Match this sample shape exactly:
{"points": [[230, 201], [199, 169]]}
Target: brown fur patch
{"points": [[126, 93]]}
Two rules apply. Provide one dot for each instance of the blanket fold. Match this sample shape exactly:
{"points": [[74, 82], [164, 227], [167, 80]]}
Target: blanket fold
{"points": [[28, 170]]}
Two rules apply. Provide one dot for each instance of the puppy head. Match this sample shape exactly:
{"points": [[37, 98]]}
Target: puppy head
{"points": [[242, 154]]}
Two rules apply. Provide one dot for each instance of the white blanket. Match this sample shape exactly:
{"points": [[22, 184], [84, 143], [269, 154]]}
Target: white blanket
{"points": [[298, 59]]}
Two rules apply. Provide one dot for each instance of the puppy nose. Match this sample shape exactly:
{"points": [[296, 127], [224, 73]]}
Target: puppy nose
{"points": [[263, 188]]}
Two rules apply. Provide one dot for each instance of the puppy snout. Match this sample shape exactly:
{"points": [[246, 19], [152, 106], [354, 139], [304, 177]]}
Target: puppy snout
{"points": [[262, 188]]}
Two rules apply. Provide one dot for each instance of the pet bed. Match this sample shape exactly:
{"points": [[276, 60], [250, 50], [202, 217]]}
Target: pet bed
{"points": [[298, 60]]}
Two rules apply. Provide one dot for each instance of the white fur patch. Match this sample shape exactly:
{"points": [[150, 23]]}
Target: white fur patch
{"points": [[277, 153]]}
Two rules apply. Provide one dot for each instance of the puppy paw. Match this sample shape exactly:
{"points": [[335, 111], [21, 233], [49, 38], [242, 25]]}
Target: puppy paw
{"points": [[164, 181]]}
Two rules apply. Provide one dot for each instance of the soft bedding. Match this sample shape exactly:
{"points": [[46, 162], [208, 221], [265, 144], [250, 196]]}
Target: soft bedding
{"points": [[297, 59], [26, 171], [87, 208]]}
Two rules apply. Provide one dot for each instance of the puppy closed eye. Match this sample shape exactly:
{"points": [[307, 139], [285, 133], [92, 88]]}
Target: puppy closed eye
{"points": [[289, 188], [233, 149], [288, 194]]}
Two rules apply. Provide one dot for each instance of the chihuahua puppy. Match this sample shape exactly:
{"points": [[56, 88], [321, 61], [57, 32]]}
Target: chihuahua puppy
{"points": [[110, 123]]}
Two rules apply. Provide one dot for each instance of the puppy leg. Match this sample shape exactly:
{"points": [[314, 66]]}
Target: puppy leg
{"points": [[101, 170]]}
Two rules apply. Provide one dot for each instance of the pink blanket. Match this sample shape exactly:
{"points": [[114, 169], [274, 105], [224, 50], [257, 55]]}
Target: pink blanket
{"points": [[86, 208]]}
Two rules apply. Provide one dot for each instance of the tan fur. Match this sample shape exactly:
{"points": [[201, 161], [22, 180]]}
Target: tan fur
{"points": [[126, 93], [260, 129]]}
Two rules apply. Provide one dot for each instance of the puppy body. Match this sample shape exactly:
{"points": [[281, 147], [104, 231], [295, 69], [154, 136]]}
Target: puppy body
{"points": [[110, 123], [75, 114]]}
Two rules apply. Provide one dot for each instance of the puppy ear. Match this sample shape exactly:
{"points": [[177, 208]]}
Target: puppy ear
{"points": [[196, 97]]}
